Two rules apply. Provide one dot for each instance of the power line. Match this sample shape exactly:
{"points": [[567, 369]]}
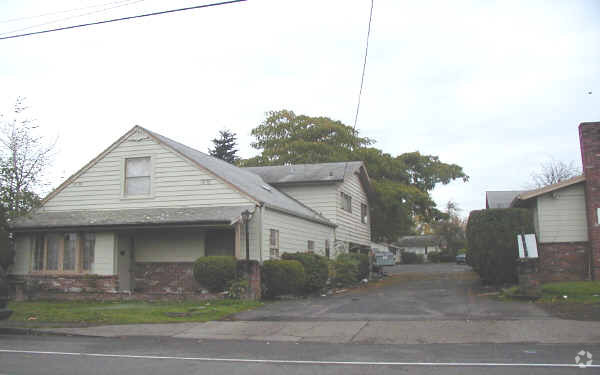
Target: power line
{"points": [[129, 2], [362, 79], [122, 19], [62, 11]]}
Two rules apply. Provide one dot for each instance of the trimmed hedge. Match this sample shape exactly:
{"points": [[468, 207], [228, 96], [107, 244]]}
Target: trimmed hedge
{"points": [[492, 242], [316, 270], [281, 277], [411, 258], [215, 273], [440, 257], [345, 270]]}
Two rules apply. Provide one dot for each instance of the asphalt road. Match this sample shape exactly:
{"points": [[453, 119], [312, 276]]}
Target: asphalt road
{"points": [[149, 355], [412, 292], [437, 298]]}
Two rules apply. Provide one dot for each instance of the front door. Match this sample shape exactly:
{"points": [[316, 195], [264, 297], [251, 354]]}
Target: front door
{"points": [[125, 263]]}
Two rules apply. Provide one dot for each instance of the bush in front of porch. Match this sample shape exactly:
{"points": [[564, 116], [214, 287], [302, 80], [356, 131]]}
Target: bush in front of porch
{"points": [[215, 272]]}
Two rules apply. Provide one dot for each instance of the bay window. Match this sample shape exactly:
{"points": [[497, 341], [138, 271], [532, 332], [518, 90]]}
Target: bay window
{"points": [[64, 252]]}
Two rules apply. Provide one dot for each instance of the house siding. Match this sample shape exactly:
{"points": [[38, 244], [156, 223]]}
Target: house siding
{"points": [[169, 246], [176, 182], [562, 218], [321, 198], [350, 228], [294, 233]]}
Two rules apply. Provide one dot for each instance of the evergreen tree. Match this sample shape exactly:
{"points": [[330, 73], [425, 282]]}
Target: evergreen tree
{"points": [[225, 147]]}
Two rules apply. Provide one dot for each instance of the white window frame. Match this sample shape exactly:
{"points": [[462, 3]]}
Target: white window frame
{"points": [[364, 218], [274, 245], [346, 202], [124, 159], [310, 245]]}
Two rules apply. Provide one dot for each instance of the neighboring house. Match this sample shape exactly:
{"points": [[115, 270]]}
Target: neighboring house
{"points": [[566, 218], [138, 215], [423, 245], [500, 199], [338, 191]]}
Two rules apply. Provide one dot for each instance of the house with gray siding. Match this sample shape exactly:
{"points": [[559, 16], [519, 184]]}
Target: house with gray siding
{"points": [[135, 218], [338, 191]]}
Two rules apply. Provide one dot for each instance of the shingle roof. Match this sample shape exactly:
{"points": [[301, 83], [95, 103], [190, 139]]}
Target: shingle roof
{"points": [[248, 182], [424, 240], [319, 172], [132, 217], [500, 199], [550, 188]]}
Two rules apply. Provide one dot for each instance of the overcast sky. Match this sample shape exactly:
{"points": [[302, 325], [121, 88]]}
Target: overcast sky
{"points": [[497, 87]]}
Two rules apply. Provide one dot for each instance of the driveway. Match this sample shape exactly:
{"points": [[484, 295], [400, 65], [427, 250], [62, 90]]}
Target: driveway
{"points": [[422, 292]]}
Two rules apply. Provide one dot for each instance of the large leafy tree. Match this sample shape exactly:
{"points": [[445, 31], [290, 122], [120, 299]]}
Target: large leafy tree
{"points": [[402, 183], [225, 147], [452, 228]]}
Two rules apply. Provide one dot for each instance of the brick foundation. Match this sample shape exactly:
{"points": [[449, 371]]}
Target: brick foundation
{"points": [[166, 278], [564, 261], [153, 281]]}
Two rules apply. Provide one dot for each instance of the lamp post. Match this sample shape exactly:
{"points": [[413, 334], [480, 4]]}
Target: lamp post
{"points": [[246, 215]]}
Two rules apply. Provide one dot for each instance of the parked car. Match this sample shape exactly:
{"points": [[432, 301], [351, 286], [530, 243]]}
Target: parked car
{"points": [[4, 312], [461, 259], [383, 258]]}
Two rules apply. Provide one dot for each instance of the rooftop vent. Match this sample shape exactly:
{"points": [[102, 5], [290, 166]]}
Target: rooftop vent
{"points": [[266, 187]]}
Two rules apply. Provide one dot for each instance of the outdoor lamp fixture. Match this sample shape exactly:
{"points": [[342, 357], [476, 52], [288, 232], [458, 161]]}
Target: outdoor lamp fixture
{"points": [[246, 215]]}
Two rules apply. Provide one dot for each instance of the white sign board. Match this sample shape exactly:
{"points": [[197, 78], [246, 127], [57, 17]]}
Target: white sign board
{"points": [[531, 244], [521, 247], [527, 246]]}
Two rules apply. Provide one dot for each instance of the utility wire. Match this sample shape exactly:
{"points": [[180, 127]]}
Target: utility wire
{"points": [[362, 79], [130, 2], [122, 19], [62, 11]]}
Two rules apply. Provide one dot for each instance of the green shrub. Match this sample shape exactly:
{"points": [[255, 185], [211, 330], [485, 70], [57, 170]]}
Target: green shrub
{"points": [[362, 264], [215, 272], [315, 270], [441, 257], [281, 277], [346, 270], [492, 242], [7, 252], [412, 258]]}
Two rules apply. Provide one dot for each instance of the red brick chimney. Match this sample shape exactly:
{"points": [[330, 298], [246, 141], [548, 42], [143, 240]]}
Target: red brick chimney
{"points": [[589, 139]]}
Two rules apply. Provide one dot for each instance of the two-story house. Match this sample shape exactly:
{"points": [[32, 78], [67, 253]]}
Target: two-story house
{"points": [[138, 215], [338, 191]]}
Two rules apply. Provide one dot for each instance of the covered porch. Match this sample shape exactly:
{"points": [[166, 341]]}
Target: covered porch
{"points": [[142, 252]]}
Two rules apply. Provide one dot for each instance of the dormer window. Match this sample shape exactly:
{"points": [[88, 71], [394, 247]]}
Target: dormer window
{"points": [[137, 176]]}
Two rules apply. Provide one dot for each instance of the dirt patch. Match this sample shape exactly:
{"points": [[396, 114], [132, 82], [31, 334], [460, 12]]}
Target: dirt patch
{"points": [[573, 311]]}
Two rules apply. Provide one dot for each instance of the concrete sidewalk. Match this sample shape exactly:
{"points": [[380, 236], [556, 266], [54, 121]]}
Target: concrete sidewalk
{"points": [[547, 331]]}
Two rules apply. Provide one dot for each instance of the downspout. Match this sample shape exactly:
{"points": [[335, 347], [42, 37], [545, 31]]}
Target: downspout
{"points": [[260, 233]]}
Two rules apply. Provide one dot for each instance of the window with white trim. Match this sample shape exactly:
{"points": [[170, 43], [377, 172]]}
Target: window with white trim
{"points": [[327, 249], [364, 213], [311, 245], [138, 176], [64, 252], [274, 243], [346, 202]]}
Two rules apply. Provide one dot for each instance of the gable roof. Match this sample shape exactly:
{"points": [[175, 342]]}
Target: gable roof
{"points": [[500, 199], [313, 173], [548, 189], [245, 181]]}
